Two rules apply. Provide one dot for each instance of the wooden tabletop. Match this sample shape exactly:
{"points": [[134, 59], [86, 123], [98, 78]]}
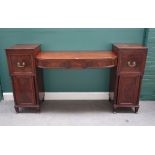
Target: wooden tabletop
{"points": [[76, 55]]}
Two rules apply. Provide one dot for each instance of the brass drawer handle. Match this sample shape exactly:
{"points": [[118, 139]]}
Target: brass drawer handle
{"points": [[131, 63], [21, 65]]}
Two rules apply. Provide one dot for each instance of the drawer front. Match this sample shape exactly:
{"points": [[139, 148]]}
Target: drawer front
{"points": [[77, 64], [24, 90], [132, 62], [21, 64], [91, 63], [62, 64], [102, 63], [52, 64]]}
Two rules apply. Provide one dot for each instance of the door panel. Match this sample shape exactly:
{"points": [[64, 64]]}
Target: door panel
{"points": [[24, 90], [128, 89]]}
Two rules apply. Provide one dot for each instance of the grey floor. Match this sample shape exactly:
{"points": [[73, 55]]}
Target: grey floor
{"points": [[77, 113]]}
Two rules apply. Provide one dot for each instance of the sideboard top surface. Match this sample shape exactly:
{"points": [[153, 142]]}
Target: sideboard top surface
{"points": [[76, 55]]}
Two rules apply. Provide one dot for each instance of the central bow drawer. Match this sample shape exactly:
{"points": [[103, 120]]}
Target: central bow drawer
{"points": [[75, 63]]}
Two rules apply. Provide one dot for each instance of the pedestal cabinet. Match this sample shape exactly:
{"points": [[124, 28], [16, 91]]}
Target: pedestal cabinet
{"points": [[127, 75], [27, 79]]}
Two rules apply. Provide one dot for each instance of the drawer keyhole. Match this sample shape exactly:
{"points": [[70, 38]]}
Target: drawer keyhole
{"points": [[21, 65], [132, 63]]}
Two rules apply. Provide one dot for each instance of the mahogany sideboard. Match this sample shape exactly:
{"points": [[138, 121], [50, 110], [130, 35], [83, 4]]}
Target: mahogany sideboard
{"points": [[26, 61]]}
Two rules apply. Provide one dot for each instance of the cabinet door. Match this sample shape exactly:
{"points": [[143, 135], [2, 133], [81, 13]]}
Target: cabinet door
{"points": [[24, 90], [128, 89]]}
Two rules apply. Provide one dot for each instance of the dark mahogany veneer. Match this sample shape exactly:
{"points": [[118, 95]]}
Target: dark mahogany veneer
{"points": [[127, 62]]}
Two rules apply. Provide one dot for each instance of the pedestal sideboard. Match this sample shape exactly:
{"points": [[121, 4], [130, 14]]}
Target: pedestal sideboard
{"points": [[26, 63]]}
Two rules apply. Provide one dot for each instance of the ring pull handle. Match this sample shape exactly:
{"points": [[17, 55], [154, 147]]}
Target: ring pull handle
{"points": [[132, 63], [21, 65]]}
